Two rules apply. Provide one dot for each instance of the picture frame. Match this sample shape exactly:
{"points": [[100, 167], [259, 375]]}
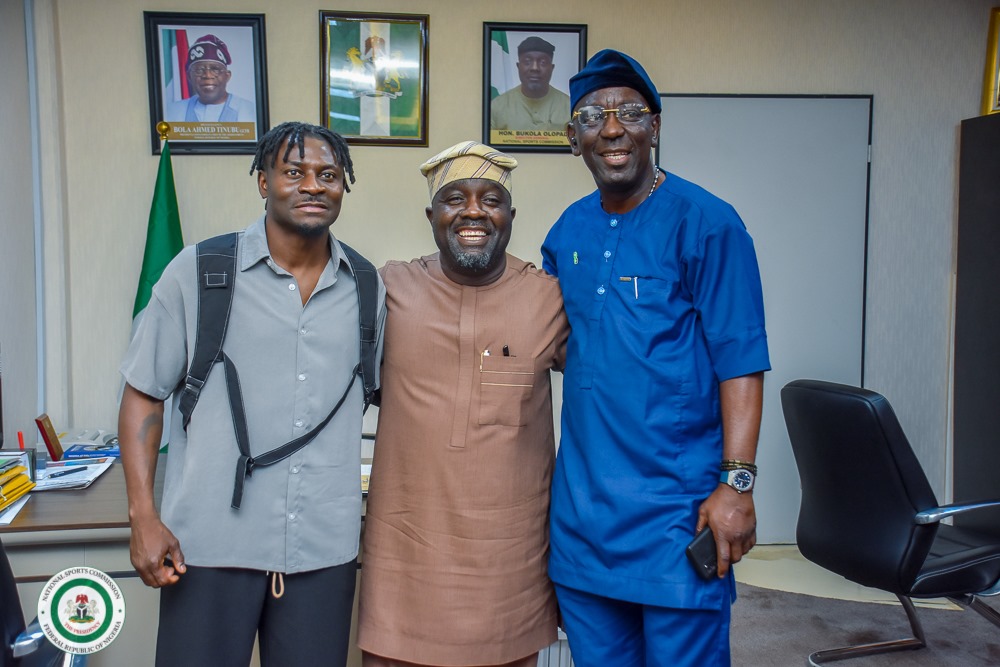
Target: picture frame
{"points": [[215, 112], [991, 76], [374, 77], [517, 122]]}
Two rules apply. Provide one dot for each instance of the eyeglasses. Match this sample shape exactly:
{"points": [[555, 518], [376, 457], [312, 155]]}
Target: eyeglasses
{"points": [[214, 70], [593, 116]]}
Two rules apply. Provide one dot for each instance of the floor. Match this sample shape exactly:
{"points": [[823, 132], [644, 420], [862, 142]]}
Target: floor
{"points": [[781, 567]]}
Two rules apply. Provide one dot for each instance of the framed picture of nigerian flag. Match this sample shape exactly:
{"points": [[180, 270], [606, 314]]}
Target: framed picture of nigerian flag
{"points": [[207, 79], [374, 77]]}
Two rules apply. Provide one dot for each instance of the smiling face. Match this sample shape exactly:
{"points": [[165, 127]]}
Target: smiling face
{"points": [[209, 80], [618, 154], [534, 68], [471, 220], [303, 194]]}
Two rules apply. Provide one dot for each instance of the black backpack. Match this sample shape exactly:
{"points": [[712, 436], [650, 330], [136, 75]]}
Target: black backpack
{"points": [[216, 277]]}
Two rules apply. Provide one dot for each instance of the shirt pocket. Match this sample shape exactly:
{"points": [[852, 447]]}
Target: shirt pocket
{"points": [[651, 299], [505, 386]]}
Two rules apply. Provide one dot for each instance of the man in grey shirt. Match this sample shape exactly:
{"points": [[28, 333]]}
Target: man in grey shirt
{"points": [[283, 565]]}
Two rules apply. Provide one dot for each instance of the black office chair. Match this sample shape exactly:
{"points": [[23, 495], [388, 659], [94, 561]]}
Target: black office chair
{"points": [[25, 646], [869, 514]]}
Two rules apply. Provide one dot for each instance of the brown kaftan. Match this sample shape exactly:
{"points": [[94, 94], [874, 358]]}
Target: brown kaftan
{"points": [[456, 532]]}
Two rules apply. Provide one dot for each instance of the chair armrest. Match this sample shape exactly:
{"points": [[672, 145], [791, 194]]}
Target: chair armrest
{"points": [[935, 514], [29, 641], [32, 645]]}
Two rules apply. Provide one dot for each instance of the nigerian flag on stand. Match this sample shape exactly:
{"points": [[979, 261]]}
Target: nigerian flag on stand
{"points": [[375, 78], [163, 235], [163, 242]]}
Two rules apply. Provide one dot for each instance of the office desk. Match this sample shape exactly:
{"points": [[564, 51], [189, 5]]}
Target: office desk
{"points": [[60, 529]]}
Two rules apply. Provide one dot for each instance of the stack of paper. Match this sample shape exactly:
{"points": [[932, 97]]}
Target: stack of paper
{"points": [[15, 479], [78, 474]]}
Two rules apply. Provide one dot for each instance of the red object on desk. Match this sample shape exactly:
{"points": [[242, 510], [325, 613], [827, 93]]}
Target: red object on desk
{"points": [[49, 436], [20, 439]]}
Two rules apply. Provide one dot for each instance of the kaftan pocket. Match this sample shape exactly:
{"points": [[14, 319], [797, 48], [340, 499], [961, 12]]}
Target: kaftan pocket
{"points": [[505, 385]]}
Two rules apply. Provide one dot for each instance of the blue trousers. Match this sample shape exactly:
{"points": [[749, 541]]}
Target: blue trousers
{"points": [[604, 632]]}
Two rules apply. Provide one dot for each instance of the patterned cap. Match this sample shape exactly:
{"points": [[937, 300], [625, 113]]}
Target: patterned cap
{"points": [[468, 160], [209, 47]]}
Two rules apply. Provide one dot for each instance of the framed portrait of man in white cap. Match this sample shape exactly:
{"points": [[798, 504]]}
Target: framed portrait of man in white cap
{"points": [[526, 72], [207, 81]]}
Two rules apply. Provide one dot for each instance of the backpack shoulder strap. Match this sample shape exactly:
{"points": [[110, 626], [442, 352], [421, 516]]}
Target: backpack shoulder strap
{"points": [[216, 280], [366, 278]]}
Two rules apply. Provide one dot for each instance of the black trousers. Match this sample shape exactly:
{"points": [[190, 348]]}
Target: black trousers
{"points": [[210, 617]]}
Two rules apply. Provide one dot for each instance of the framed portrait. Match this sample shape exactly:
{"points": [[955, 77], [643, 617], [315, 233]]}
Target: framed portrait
{"points": [[991, 79], [207, 81], [526, 73], [373, 77]]}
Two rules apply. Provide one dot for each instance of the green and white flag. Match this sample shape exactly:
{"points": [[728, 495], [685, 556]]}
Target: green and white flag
{"points": [[163, 235], [163, 241], [375, 82], [503, 65]]}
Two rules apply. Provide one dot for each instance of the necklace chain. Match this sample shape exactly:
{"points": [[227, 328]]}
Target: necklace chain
{"points": [[656, 175], [652, 187]]}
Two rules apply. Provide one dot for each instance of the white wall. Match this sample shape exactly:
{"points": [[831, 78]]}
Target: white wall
{"points": [[17, 265], [921, 59]]}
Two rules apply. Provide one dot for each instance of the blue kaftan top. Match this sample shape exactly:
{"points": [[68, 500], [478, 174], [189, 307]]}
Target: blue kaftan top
{"points": [[664, 303]]}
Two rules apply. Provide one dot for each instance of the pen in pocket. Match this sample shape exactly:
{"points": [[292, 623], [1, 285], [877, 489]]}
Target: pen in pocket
{"points": [[635, 283]]}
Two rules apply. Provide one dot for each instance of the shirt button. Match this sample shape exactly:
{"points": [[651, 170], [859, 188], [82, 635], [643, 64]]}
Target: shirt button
{"points": [[291, 287], [295, 471], [302, 331], [298, 423], [607, 253], [600, 290], [302, 377], [291, 516], [614, 222]]}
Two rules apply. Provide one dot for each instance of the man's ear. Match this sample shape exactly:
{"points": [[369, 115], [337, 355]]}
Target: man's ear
{"points": [[262, 184], [429, 212], [513, 213], [571, 135]]}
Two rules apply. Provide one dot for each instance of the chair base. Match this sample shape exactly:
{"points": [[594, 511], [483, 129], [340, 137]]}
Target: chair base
{"points": [[913, 643], [974, 603]]}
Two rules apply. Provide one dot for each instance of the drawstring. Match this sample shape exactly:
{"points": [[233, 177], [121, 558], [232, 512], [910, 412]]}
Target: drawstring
{"points": [[277, 585]]}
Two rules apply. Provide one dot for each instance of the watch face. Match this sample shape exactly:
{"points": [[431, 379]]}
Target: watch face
{"points": [[742, 480]]}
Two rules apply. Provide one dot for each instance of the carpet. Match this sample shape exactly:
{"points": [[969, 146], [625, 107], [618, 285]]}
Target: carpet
{"points": [[777, 629]]}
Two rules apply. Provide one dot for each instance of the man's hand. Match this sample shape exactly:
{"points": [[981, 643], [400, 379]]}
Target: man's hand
{"points": [[732, 518], [140, 424], [156, 554], [730, 514]]}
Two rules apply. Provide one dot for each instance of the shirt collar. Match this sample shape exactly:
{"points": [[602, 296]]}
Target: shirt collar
{"points": [[254, 247]]}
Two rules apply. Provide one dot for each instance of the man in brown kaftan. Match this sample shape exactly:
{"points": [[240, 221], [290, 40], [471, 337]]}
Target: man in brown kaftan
{"points": [[456, 532]]}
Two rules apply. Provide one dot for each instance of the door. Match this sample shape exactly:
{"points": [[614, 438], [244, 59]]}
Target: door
{"points": [[796, 169]]}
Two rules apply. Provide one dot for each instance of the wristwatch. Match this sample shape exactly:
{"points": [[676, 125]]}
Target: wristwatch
{"points": [[740, 479]]}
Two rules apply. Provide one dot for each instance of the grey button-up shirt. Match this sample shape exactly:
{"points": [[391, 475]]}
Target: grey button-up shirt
{"points": [[294, 362]]}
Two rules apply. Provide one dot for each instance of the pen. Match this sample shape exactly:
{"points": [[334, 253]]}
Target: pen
{"points": [[635, 284], [20, 439], [63, 473]]}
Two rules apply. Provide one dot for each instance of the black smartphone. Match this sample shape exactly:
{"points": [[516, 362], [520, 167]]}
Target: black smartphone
{"points": [[702, 554]]}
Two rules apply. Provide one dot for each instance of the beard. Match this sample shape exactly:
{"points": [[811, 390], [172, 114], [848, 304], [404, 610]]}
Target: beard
{"points": [[472, 260]]}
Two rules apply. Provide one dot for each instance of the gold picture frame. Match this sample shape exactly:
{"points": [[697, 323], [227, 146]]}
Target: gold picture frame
{"points": [[991, 77]]}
